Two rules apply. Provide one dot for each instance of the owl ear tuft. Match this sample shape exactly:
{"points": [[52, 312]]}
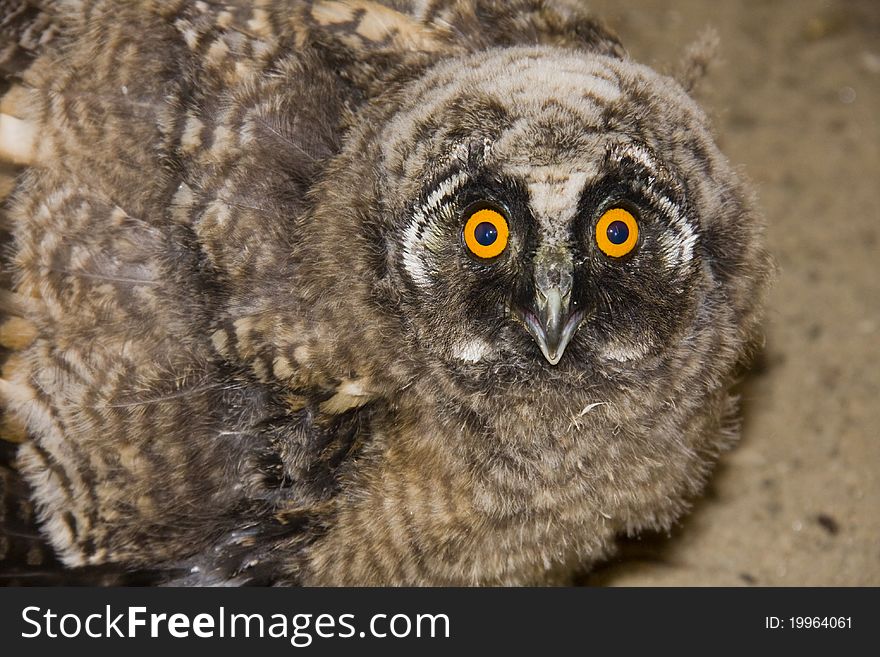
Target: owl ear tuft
{"points": [[697, 58]]}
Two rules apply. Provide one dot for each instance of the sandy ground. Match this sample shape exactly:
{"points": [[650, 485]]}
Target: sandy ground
{"points": [[795, 97]]}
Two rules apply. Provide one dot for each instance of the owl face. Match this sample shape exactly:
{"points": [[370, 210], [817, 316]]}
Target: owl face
{"points": [[545, 226]]}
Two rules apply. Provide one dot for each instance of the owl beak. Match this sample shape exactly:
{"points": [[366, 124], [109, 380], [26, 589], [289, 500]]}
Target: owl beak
{"points": [[554, 325], [551, 322]]}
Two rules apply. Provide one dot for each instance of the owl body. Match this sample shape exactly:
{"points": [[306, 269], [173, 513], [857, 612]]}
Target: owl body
{"points": [[259, 346]]}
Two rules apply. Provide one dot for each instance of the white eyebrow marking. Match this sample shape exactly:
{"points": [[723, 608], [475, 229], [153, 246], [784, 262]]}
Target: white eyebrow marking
{"points": [[641, 156], [682, 252], [678, 250], [421, 232]]}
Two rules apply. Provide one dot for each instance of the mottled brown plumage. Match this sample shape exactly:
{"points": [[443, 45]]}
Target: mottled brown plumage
{"points": [[250, 343]]}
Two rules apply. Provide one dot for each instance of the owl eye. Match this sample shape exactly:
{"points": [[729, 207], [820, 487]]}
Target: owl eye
{"points": [[617, 232], [485, 233]]}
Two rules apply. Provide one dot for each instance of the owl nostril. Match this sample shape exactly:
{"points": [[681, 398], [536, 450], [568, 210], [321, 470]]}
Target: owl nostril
{"points": [[553, 270], [553, 277]]}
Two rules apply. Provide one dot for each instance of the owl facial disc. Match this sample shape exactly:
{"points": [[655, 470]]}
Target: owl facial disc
{"points": [[551, 321]]}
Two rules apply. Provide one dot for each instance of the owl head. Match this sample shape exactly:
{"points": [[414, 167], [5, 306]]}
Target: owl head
{"points": [[553, 221]]}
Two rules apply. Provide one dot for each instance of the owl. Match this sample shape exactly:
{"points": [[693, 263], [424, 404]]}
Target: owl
{"points": [[350, 292]]}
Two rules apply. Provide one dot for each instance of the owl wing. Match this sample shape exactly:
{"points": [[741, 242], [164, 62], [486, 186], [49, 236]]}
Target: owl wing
{"points": [[154, 433]]}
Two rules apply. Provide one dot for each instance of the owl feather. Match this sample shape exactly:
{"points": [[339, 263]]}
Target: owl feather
{"points": [[247, 341]]}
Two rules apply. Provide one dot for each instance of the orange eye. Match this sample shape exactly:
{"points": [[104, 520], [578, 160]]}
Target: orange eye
{"points": [[617, 232], [485, 233]]}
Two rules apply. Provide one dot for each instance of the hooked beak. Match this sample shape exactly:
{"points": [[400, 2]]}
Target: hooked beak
{"points": [[550, 321]]}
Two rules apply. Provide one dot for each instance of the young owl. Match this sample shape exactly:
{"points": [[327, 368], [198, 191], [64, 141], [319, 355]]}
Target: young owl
{"points": [[439, 292]]}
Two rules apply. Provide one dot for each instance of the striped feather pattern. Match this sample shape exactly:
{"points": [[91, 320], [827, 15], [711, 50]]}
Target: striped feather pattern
{"points": [[235, 303]]}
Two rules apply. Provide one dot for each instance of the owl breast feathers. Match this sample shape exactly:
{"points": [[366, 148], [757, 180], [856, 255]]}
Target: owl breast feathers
{"points": [[356, 292]]}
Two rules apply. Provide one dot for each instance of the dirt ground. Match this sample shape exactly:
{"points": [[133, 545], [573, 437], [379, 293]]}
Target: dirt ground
{"points": [[795, 97]]}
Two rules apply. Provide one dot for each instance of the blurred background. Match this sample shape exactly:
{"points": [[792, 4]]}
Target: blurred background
{"points": [[795, 98]]}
